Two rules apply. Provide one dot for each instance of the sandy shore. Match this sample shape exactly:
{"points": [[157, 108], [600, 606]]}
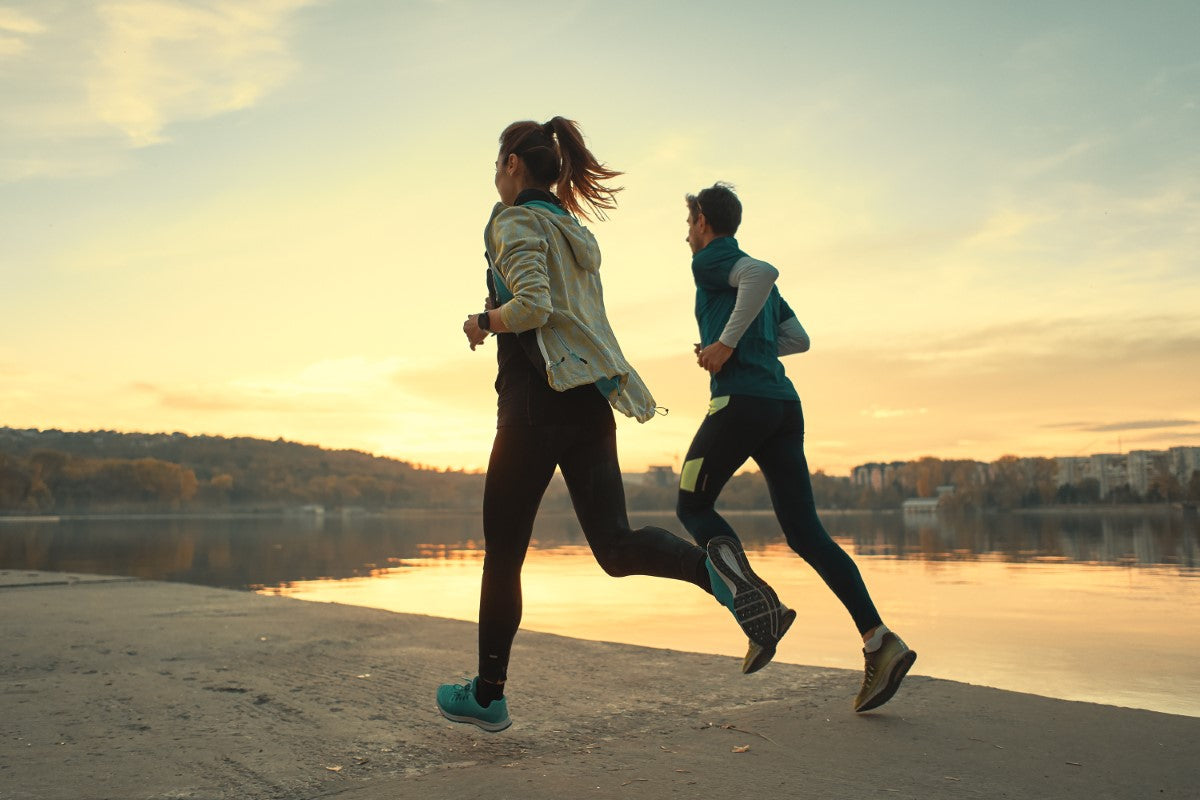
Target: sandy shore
{"points": [[113, 688]]}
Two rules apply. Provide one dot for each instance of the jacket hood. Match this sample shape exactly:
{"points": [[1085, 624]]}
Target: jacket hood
{"points": [[583, 244]]}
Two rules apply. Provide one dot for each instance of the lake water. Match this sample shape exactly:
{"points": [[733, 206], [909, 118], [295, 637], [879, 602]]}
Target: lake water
{"points": [[1098, 606]]}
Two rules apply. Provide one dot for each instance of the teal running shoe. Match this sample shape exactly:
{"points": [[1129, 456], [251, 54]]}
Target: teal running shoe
{"points": [[458, 704], [720, 588], [749, 598]]}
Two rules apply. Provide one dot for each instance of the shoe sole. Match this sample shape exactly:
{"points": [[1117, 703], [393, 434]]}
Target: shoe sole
{"points": [[758, 656], [755, 604], [490, 727], [899, 670]]}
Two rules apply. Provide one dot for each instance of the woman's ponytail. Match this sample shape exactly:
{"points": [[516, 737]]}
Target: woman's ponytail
{"points": [[567, 164]]}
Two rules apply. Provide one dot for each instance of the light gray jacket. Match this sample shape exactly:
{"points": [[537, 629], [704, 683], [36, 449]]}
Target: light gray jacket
{"points": [[551, 265]]}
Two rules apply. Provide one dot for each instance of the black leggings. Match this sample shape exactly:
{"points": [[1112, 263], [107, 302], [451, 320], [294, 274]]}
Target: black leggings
{"points": [[522, 463], [739, 427]]}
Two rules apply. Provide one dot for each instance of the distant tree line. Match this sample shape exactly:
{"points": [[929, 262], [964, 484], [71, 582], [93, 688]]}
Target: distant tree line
{"points": [[748, 492], [101, 471], [104, 471]]}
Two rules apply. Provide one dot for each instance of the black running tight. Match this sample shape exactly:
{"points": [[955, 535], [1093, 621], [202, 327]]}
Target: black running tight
{"points": [[741, 427], [522, 463]]}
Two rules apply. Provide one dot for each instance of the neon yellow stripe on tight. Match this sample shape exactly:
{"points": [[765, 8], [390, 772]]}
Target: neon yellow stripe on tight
{"points": [[717, 404], [689, 474]]}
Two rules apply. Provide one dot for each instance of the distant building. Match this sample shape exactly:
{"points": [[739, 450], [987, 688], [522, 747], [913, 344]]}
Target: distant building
{"points": [[655, 475], [876, 476], [1137, 469], [1073, 470], [1143, 466], [926, 505], [661, 476], [1183, 461], [1112, 470]]}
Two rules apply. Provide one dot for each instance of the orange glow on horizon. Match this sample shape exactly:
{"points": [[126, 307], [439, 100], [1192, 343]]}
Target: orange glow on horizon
{"points": [[969, 621]]}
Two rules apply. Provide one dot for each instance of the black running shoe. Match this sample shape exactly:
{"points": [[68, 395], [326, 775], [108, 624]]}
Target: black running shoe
{"points": [[754, 604]]}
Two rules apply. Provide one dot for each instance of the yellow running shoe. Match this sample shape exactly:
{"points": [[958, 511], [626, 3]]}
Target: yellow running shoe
{"points": [[759, 655], [884, 670], [752, 601]]}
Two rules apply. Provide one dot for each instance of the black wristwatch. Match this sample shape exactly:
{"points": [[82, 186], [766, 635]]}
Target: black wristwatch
{"points": [[484, 321]]}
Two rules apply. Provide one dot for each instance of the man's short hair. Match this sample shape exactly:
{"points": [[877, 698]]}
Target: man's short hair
{"points": [[720, 207]]}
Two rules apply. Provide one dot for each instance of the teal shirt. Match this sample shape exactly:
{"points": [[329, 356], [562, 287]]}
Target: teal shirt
{"points": [[754, 368]]}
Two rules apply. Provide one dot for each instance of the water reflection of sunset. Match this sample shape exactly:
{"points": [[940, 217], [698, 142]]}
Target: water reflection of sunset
{"points": [[1041, 627], [1057, 604]]}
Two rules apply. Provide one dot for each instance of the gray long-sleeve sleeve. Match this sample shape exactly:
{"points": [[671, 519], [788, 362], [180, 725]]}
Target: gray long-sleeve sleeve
{"points": [[753, 279], [792, 338]]}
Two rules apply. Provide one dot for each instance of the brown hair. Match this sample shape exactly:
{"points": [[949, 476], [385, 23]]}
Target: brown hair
{"points": [[565, 163], [719, 205]]}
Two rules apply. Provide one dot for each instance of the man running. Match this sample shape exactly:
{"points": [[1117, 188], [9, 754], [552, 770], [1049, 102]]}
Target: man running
{"points": [[745, 326]]}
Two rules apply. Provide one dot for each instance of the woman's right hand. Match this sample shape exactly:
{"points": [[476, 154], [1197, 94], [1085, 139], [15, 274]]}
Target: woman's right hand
{"points": [[475, 334]]}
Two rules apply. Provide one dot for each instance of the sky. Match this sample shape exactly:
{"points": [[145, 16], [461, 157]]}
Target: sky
{"points": [[264, 217]]}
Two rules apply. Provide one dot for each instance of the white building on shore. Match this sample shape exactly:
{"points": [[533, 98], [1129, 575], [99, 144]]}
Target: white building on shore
{"points": [[1139, 470], [876, 476], [1136, 469]]}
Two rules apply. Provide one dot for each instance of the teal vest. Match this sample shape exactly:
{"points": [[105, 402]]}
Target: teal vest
{"points": [[754, 368]]}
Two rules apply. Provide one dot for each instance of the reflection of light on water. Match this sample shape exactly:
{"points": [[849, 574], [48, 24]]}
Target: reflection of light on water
{"points": [[1105, 634], [450, 552]]}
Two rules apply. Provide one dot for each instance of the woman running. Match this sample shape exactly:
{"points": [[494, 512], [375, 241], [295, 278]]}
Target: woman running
{"points": [[560, 374]]}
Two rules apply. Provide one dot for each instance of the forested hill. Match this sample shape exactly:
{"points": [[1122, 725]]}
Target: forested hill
{"points": [[57, 472], [62, 472]]}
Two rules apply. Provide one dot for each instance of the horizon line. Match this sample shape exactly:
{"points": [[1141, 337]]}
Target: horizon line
{"points": [[475, 470]]}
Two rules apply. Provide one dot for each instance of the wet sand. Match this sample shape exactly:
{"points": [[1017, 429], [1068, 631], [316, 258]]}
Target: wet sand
{"points": [[115, 688]]}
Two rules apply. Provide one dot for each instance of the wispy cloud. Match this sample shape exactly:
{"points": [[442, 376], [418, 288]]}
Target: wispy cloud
{"points": [[993, 348], [162, 61], [875, 412], [1005, 227], [14, 21], [1042, 164], [15, 28], [350, 385], [116, 75], [339, 386], [1171, 438], [1104, 231], [1134, 425]]}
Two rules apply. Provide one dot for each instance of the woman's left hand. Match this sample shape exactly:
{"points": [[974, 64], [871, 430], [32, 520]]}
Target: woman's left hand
{"points": [[475, 334]]}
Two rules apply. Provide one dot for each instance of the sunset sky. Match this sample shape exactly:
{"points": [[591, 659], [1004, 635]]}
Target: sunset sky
{"points": [[264, 217]]}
